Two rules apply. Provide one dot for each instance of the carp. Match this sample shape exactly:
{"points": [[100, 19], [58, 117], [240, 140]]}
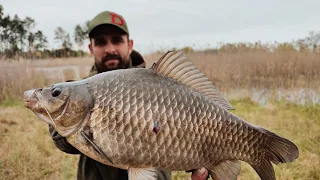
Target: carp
{"points": [[169, 116]]}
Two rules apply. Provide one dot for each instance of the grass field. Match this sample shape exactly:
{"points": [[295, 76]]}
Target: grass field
{"points": [[27, 151]]}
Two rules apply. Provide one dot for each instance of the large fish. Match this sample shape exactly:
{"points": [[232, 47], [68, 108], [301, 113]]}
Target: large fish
{"points": [[168, 117]]}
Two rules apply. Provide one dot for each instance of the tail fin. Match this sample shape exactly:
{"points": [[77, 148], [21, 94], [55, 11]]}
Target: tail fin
{"points": [[277, 150], [280, 150]]}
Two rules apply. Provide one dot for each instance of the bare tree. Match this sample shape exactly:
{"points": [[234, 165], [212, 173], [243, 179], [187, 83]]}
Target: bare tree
{"points": [[81, 34], [63, 37]]}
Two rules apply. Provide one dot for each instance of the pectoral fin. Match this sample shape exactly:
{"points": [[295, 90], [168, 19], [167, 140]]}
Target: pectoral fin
{"points": [[227, 170], [95, 147], [142, 174]]}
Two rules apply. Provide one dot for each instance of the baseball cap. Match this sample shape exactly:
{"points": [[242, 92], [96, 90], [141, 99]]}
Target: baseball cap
{"points": [[108, 17]]}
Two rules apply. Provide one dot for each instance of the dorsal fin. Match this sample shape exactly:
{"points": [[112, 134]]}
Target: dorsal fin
{"points": [[176, 65]]}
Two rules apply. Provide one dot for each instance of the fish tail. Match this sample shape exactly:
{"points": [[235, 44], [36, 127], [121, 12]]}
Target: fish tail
{"points": [[277, 150]]}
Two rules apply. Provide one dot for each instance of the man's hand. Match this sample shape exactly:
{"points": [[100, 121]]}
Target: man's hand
{"points": [[200, 174]]}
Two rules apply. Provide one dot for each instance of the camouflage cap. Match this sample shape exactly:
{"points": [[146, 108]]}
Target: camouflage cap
{"points": [[108, 17]]}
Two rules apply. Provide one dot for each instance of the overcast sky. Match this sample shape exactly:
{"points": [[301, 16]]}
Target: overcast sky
{"points": [[166, 23]]}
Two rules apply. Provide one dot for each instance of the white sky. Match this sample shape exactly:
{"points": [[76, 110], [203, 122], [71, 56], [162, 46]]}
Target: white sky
{"points": [[166, 23]]}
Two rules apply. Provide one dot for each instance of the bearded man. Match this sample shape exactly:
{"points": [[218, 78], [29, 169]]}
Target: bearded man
{"points": [[112, 49]]}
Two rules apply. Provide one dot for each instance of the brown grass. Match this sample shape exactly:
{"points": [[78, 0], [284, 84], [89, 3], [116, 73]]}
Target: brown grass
{"points": [[286, 69], [228, 71], [18, 76], [26, 150]]}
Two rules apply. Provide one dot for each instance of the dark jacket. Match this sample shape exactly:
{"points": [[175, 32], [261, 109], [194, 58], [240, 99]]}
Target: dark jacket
{"points": [[89, 169]]}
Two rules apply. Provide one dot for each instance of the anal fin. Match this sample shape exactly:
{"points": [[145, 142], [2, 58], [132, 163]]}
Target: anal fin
{"points": [[142, 174], [265, 170], [227, 170]]}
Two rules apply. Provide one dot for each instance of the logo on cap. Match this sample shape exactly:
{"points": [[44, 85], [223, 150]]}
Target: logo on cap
{"points": [[116, 19]]}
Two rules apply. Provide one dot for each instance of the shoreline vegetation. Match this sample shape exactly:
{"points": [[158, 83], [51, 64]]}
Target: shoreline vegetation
{"points": [[232, 72]]}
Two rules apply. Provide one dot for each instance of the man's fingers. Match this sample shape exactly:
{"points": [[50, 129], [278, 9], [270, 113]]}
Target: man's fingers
{"points": [[200, 174], [201, 171]]}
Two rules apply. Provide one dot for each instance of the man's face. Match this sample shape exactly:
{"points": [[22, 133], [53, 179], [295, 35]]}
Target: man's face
{"points": [[110, 48]]}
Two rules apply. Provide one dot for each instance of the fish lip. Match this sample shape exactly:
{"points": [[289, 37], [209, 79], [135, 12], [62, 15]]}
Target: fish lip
{"points": [[29, 103], [30, 98]]}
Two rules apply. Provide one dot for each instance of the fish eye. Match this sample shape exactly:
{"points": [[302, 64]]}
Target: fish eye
{"points": [[56, 92]]}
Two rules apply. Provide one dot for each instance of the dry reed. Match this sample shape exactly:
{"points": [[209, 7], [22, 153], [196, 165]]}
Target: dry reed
{"points": [[286, 69], [228, 71]]}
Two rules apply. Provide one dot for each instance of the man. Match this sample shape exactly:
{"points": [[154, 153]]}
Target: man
{"points": [[112, 49]]}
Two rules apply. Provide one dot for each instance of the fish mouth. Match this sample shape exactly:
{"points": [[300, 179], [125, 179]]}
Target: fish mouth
{"points": [[30, 99], [29, 103]]}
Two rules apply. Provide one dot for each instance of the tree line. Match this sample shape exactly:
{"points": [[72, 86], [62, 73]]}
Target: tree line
{"points": [[19, 38]]}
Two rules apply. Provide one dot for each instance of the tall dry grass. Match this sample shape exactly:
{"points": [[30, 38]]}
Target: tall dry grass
{"points": [[257, 69], [228, 71], [19, 76]]}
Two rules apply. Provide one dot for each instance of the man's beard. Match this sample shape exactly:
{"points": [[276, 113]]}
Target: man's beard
{"points": [[123, 64]]}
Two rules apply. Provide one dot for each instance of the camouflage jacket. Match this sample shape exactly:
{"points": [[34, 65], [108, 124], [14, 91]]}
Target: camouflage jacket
{"points": [[89, 169]]}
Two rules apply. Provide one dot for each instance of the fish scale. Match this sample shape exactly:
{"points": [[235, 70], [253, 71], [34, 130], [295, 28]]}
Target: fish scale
{"points": [[163, 100]]}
